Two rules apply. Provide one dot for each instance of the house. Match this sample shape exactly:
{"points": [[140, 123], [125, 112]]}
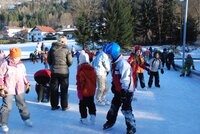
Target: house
{"points": [[69, 31], [15, 32], [38, 33]]}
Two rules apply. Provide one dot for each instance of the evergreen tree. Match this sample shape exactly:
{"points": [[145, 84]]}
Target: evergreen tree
{"points": [[82, 35], [119, 22], [192, 29]]}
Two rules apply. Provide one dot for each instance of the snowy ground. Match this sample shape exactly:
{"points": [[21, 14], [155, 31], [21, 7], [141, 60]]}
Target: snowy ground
{"points": [[172, 109]]}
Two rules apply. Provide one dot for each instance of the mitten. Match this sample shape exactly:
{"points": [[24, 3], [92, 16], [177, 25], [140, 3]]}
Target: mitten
{"points": [[123, 95], [162, 71], [28, 88]]}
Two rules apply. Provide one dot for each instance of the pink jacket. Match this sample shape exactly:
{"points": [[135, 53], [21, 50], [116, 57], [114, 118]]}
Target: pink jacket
{"points": [[13, 77]]}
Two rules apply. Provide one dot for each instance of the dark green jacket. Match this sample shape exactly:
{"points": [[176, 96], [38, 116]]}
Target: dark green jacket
{"points": [[59, 58]]}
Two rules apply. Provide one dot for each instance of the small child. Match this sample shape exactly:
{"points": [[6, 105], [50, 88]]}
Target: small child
{"points": [[86, 87], [42, 77], [12, 80], [122, 88], [187, 66], [155, 65]]}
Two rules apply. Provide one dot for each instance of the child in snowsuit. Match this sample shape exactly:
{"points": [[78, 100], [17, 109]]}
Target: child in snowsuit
{"points": [[170, 60], [187, 66], [86, 87], [122, 87], [155, 65], [12, 80], [42, 77], [44, 59], [136, 62]]}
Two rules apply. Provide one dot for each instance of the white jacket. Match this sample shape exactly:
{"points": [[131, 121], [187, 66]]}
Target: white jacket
{"points": [[155, 65], [101, 64]]}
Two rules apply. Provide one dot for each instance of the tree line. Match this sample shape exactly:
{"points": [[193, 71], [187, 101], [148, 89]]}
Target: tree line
{"points": [[130, 22], [126, 22]]}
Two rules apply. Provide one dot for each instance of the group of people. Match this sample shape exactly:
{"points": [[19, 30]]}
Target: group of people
{"points": [[91, 81]]}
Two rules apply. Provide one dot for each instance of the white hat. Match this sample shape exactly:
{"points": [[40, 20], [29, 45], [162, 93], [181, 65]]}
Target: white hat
{"points": [[83, 58]]}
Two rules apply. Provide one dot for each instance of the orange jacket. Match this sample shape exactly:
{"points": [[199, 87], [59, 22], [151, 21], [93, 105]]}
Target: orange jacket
{"points": [[140, 69], [86, 81]]}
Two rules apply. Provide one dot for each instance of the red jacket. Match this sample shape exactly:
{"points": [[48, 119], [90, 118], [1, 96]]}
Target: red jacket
{"points": [[43, 72], [86, 81]]}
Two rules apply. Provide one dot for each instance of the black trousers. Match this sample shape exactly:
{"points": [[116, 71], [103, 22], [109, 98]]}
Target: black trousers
{"points": [[156, 76], [43, 93], [126, 110], [87, 102], [62, 82], [140, 76], [169, 63]]}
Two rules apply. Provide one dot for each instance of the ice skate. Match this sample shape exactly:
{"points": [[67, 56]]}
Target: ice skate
{"points": [[4, 128], [28, 123], [84, 121]]}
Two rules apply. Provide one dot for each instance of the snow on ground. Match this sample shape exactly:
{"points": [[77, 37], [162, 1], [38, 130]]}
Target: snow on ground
{"points": [[172, 109]]}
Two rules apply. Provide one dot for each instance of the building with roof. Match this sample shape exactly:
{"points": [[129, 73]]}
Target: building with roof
{"points": [[15, 32], [38, 33], [69, 31]]}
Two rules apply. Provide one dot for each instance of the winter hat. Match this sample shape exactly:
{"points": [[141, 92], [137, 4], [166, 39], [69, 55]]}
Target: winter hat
{"points": [[15, 52], [137, 47], [83, 57], [62, 39]]}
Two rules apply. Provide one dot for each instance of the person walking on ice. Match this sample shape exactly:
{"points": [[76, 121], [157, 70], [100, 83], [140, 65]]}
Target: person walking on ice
{"points": [[86, 87], [102, 67], [122, 88], [187, 66], [12, 80]]}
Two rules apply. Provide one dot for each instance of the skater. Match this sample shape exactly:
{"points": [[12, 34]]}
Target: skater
{"points": [[187, 66], [164, 57], [12, 80], [170, 60], [122, 88], [135, 61], [102, 67], [155, 65], [59, 59], [42, 77], [86, 86]]}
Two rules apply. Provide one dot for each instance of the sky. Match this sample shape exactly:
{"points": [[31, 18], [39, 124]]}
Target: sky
{"points": [[172, 109]]}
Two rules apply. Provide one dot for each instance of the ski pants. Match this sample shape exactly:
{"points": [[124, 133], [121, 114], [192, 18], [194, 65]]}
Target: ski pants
{"points": [[102, 89], [186, 68], [63, 82], [156, 76], [87, 102], [7, 107], [140, 76], [126, 110]]}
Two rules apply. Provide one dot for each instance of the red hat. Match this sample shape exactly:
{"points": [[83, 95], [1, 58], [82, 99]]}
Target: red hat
{"points": [[15, 52], [188, 55]]}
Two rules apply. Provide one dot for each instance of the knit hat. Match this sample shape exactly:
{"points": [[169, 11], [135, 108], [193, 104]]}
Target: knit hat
{"points": [[15, 52], [62, 39], [83, 57]]}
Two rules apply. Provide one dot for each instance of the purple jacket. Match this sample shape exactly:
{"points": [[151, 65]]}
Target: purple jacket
{"points": [[13, 77]]}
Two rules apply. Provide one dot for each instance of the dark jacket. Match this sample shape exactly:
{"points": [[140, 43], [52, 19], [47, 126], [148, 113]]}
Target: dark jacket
{"points": [[59, 58]]}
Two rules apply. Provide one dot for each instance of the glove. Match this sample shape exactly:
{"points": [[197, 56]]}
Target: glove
{"points": [[113, 88], [1, 90], [28, 88], [123, 95], [162, 71], [193, 68]]}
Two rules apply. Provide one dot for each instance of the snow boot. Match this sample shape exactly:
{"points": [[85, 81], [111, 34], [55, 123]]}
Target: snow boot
{"points": [[182, 75], [55, 108], [188, 74], [4, 128], [84, 121], [107, 125]]}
